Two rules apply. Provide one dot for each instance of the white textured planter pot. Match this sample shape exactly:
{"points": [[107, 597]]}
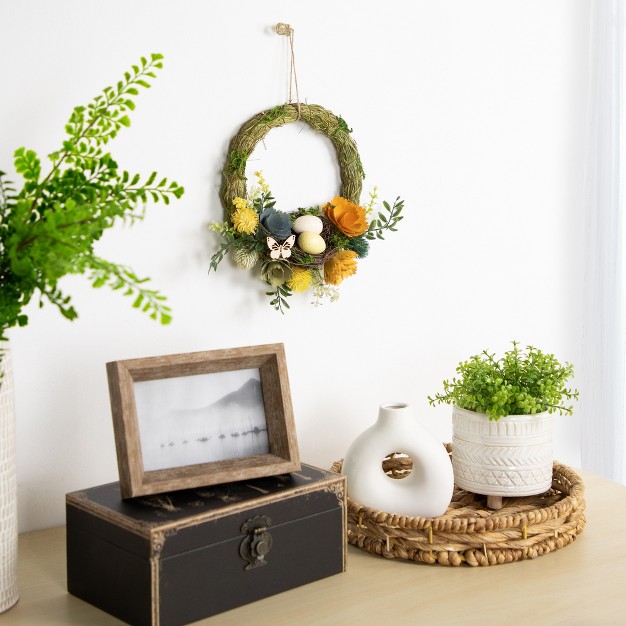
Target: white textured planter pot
{"points": [[8, 488], [425, 492], [509, 457]]}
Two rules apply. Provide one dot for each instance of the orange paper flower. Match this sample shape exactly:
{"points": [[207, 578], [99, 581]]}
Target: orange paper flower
{"points": [[342, 265], [348, 217]]}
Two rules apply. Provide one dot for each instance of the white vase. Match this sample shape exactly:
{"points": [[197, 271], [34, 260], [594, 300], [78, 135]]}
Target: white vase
{"points": [[425, 492], [508, 457], [8, 487]]}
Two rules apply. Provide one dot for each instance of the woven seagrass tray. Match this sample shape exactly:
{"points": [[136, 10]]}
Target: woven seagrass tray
{"points": [[470, 533]]}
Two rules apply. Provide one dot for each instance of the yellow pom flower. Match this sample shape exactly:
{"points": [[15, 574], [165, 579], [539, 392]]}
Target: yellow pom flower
{"points": [[245, 220], [301, 279], [342, 265], [241, 203]]}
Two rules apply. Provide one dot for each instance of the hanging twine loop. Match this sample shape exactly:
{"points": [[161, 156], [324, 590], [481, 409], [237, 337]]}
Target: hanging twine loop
{"points": [[285, 29]]}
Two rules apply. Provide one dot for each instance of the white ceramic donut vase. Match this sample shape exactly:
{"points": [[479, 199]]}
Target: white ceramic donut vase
{"points": [[425, 492]]}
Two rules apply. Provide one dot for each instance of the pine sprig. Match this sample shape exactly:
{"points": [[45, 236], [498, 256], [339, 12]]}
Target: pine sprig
{"points": [[48, 229]]}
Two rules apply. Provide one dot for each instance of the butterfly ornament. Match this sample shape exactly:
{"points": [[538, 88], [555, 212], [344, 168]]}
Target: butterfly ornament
{"points": [[281, 250]]}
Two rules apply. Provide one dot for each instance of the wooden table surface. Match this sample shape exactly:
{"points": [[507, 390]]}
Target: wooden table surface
{"points": [[583, 584]]}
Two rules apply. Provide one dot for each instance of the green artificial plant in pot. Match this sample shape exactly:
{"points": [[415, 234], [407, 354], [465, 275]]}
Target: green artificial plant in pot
{"points": [[502, 420], [48, 229]]}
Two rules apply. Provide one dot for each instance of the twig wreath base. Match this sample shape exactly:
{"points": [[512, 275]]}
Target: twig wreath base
{"points": [[311, 247], [322, 120]]}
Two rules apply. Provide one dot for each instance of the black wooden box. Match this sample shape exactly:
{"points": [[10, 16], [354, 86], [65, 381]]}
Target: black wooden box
{"points": [[179, 557]]}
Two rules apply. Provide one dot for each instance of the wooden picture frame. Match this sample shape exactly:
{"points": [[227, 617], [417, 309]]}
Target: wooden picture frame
{"points": [[154, 436]]}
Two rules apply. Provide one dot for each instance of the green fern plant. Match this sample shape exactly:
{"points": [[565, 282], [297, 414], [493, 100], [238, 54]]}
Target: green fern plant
{"points": [[48, 228]]}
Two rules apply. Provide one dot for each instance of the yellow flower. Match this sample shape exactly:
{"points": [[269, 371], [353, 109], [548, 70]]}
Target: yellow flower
{"points": [[369, 207], [348, 217], [301, 279], [245, 220], [342, 265], [265, 188], [241, 203]]}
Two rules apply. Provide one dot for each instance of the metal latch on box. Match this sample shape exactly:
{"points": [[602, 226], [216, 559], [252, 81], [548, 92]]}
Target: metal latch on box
{"points": [[257, 542]]}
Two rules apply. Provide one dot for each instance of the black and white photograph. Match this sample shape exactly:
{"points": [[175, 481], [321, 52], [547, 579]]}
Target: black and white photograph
{"points": [[202, 418], [189, 420]]}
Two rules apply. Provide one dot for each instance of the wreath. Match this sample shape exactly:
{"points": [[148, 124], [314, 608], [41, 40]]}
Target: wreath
{"points": [[310, 248]]}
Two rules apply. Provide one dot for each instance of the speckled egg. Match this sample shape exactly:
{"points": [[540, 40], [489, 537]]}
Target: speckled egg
{"points": [[311, 243], [308, 224]]}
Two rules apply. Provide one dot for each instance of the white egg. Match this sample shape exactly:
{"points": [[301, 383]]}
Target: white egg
{"points": [[311, 243], [308, 223]]}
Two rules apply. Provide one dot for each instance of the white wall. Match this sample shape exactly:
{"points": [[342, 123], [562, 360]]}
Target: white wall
{"points": [[471, 111]]}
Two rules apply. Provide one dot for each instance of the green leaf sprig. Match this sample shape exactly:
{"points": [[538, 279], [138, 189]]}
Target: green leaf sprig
{"points": [[384, 222], [522, 382], [48, 228], [279, 298]]}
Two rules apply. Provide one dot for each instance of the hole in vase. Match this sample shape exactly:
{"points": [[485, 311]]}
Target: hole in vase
{"points": [[397, 465]]}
